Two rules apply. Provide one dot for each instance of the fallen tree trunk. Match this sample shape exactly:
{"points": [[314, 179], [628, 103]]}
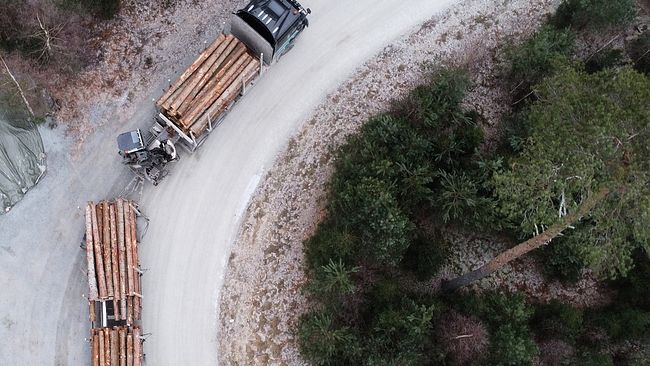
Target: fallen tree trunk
{"points": [[527, 246]]}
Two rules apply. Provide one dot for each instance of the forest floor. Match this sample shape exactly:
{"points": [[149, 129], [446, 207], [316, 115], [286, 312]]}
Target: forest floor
{"points": [[263, 296]]}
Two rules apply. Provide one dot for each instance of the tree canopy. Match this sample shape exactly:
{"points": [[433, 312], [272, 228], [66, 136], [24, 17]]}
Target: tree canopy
{"points": [[587, 133]]}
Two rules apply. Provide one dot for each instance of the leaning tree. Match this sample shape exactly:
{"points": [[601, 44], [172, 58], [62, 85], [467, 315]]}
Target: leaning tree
{"points": [[586, 161]]}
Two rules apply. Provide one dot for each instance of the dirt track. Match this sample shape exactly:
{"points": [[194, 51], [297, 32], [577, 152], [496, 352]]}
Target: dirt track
{"points": [[195, 213]]}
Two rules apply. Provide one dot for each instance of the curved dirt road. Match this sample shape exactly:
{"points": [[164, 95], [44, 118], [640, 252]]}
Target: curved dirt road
{"points": [[195, 213]]}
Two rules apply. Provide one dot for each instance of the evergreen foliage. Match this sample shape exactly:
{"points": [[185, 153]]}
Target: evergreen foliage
{"points": [[588, 133], [594, 14]]}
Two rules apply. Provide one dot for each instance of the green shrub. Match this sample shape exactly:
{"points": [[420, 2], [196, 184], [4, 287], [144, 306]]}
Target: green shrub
{"points": [[437, 105], [563, 259], [557, 320], [323, 343], [498, 309], [390, 150], [639, 52], [425, 255], [369, 208], [625, 323], [398, 335], [539, 56], [333, 280], [632, 289], [330, 242], [594, 14], [594, 358], [512, 345], [606, 59]]}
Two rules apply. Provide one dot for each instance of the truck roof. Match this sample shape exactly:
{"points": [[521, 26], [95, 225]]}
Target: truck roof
{"points": [[272, 18]]}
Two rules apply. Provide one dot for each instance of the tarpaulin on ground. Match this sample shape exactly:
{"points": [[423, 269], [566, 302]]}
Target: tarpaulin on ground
{"points": [[22, 161]]}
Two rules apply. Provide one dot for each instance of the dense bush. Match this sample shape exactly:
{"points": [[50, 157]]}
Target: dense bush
{"points": [[512, 345], [606, 59], [330, 242], [324, 343], [539, 56], [556, 320], [563, 260], [374, 213], [594, 358], [639, 51], [594, 14], [425, 255], [622, 322]]}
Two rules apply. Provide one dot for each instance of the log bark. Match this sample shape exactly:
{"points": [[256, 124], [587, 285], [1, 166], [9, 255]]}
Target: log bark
{"points": [[122, 254], [115, 348], [228, 96], [114, 251], [122, 346], [107, 346], [190, 70], [137, 350], [99, 263], [92, 311], [95, 347], [224, 66], [216, 89], [136, 263], [106, 243], [102, 346], [90, 256], [129, 349], [528, 245], [198, 76]]}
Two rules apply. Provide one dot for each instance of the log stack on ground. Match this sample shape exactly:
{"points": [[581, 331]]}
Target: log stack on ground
{"points": [[113, 264], [210, 85], [116, 346]]}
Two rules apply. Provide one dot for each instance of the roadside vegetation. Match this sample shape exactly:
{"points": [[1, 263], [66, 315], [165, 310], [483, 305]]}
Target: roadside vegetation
{"points": [[42, 41], [567, 179]]}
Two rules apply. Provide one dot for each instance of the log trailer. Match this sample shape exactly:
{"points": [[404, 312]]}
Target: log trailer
{"points": [[260, 33]]}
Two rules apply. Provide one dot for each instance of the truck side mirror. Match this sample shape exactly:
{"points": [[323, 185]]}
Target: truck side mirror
{"points": [[308, 11]]}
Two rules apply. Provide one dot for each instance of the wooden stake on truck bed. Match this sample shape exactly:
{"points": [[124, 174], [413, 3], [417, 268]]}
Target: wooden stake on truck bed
{"points": [[99, 263], [90, 256], [199, 92], [190, 70], [215, 89]]}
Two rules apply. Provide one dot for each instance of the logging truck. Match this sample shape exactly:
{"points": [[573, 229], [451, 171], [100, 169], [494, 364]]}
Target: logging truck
{"points": [[260, 33]]}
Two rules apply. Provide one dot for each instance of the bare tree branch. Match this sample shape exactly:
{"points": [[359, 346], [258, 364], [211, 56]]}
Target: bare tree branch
{"points": [[20, 89]]}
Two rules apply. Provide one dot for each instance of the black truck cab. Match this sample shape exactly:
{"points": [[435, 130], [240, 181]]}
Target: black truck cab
{"points": [[269, 27]]}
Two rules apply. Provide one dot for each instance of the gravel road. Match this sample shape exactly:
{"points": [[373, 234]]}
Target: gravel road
{"points": [[195, 213]]}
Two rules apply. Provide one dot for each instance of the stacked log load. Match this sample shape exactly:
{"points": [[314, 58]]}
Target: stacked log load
{"points": [[117, 346], [210, 85], [112, 255]]}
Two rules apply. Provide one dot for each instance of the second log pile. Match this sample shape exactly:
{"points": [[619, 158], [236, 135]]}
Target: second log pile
{"points": [[112, 255], [209, 85], [117, 346]]}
